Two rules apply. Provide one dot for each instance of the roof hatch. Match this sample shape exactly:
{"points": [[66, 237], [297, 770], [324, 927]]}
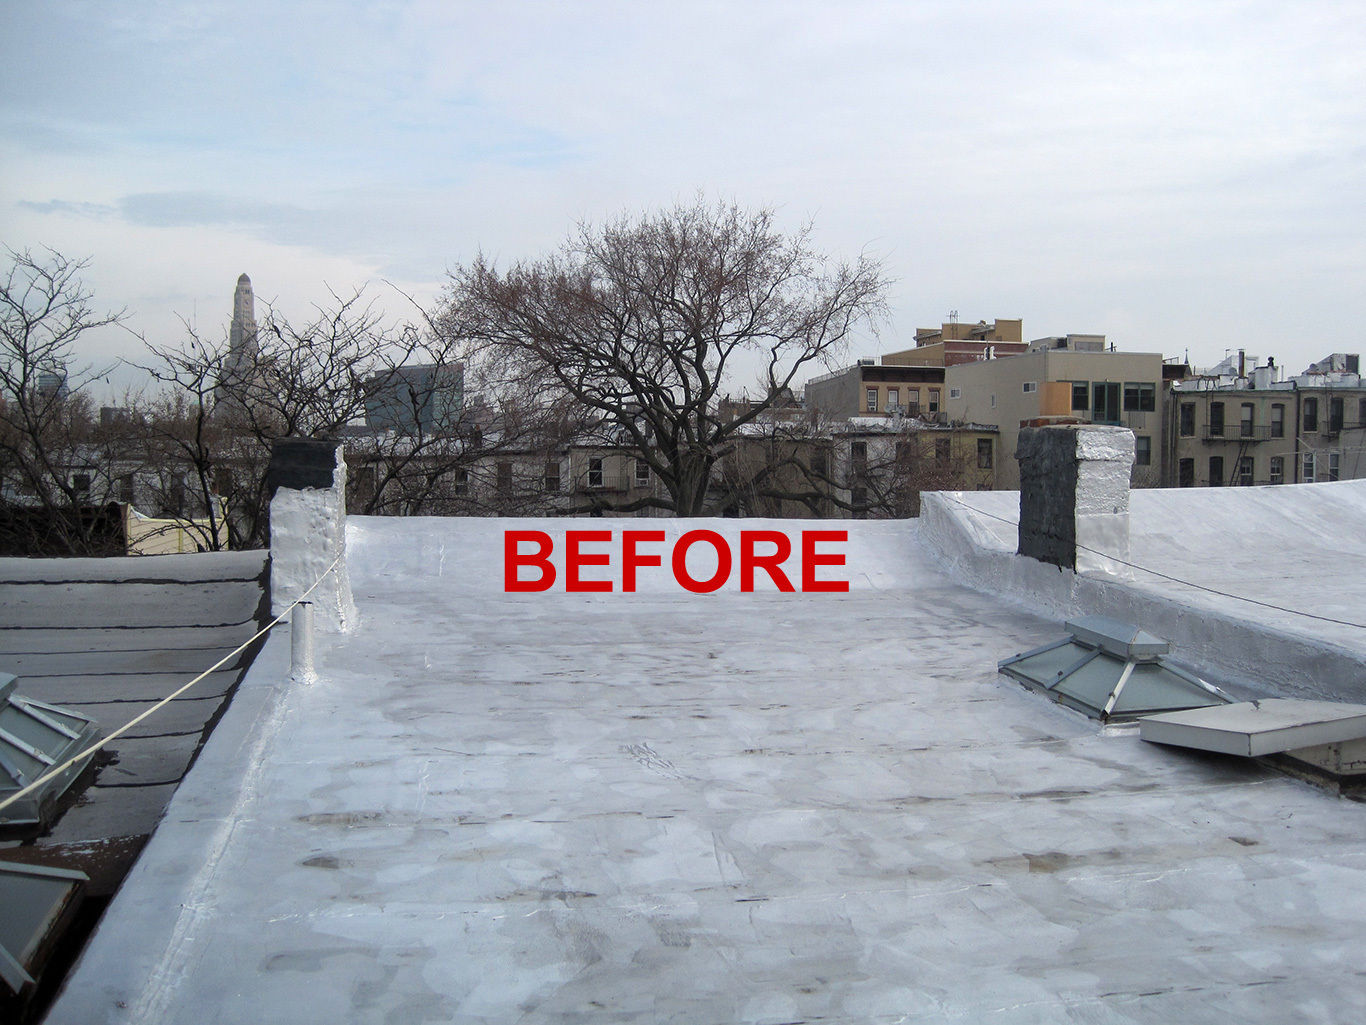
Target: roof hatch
{"points": [[1112, 671]]}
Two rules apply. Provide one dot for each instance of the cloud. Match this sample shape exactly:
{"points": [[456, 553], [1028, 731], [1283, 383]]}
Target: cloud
{"points": [[70, 208]]}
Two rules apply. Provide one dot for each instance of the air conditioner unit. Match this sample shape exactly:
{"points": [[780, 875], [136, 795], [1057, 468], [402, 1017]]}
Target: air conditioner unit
{"points": [[867, 362]]}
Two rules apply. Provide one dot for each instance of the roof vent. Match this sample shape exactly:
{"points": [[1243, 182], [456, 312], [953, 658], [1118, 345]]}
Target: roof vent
{"points": [[1112, 671]]}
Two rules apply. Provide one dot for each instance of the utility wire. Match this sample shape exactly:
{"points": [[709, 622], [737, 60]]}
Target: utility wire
{"points": [[58, 769], [1167, 576]]}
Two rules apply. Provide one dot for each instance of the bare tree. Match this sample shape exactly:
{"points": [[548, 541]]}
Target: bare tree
{"points": [[641, 320], [45, 421]]}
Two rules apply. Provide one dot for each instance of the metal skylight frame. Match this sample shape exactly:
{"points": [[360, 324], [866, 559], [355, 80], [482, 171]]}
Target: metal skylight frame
{"points": [[34, 736], [1112, 671]]}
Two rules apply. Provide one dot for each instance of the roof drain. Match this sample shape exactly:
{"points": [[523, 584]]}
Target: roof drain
{"points": [[1112, 671]]}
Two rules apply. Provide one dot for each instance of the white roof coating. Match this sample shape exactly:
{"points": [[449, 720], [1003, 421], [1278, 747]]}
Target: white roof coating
{"points": [[666, 806]]}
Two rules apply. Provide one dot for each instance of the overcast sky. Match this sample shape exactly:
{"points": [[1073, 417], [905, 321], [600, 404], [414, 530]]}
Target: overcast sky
{"points": [[1181, 177]]}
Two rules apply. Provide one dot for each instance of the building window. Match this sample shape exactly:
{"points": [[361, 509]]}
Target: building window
{"points": [[1278, 421], [858, 455], [504, 478], [1216, 471], [1185, 473], [955, 393], [1105, 402], [893, 399], [904, 454], [80, 482], [126, 487], [1245, 423], [1216, 419], [1307, 468], [642, 473], [1030, 387], [1139, 397], [552, 475], [1143, 450], [984, 447], [934, 400], [820, 466], [1334, 465], [858, 497], [942, 452], [1311, 414], [1335, 415], [1245, 470], [462, 481], [1187, 419], [870, 395], [1277, 475], [595, 472], [1081, 396], [993, 400], [913, 401]]}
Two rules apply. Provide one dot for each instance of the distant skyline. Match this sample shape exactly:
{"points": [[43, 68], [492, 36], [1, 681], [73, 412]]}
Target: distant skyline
{"points": [[1177, 177]]}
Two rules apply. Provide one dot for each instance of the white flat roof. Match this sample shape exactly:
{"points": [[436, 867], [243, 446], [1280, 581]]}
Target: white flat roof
{"points": [[764, 807]]}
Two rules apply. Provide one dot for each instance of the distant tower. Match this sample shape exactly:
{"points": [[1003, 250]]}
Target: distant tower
{"points": [[241, 371], [242, 347]]}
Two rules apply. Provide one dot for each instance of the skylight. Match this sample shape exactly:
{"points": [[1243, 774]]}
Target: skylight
{"points": [[1112, 671], [34, 736]]}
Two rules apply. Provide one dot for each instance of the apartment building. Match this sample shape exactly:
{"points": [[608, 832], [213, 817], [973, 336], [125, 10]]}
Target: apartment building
{"points": [[952, 343], [1069, 378], [873, 388], [1232, 426]]}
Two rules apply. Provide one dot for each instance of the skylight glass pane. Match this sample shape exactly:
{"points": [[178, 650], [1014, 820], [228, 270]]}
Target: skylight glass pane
{"points": [[1092, 683], [1044, 667], [1153, 687]]}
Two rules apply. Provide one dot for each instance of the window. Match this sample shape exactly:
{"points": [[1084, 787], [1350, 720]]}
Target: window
{"points": [[993, 400], [1187, 419], [595, 472], [858, 455], [893, 399], [552, 475], [1216, 471], [1277, 470], [942, 452], [859, 498], [1143, 450], [1307, 468], [1105, 400], [126, 486], [820, 465], [1216, 419], [505, 478], [955, 393], [934, 400], [1311, 414], [1245, 470], [1246, 421], [80, 482], [1335, 415], [1081, 396], [870, 396], [1031, 387], [462, 481], [642, 473], [1139, 397], [913, 401], [984, 447], [904, 453], [1185, 473], [1334, 465], [1278, 420]]}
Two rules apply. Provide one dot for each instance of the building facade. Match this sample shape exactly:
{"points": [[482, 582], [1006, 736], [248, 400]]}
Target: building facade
{"points": [[1069, 378], [1227, 428]]}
